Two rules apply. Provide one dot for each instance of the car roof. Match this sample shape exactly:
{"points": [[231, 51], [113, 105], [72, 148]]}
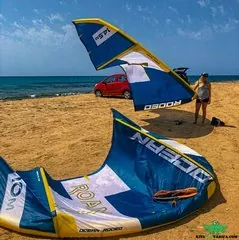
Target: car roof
{"points": [[118, 74]]}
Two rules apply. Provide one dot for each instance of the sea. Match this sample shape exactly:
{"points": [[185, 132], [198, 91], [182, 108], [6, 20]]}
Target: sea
{"points": [[14, 88]]}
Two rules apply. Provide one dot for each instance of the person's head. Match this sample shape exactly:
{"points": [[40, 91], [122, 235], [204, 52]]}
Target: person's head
{"points": [[204, 76]]}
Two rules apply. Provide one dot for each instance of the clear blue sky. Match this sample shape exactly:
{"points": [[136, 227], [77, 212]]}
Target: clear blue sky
{"points": [[38, 38]]}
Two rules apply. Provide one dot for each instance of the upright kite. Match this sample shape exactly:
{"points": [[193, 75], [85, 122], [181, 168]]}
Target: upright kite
{"points": [[153, 84]]}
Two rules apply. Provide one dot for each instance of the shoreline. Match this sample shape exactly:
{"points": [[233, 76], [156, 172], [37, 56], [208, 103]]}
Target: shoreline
{"points": [[33, 96]]}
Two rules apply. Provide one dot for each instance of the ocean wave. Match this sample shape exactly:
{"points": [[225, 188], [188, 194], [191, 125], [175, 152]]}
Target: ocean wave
{"points": [[9, 98]]}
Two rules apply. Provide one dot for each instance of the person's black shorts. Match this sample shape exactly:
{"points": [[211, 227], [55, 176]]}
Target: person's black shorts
{"points": [[206, 100]]}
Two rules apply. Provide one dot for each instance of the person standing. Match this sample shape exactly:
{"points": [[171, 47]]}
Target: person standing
{"points": [[203, 88]]}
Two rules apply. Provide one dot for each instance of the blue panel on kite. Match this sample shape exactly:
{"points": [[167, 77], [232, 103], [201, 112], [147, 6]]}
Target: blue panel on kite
{"points": [[92, 36]]}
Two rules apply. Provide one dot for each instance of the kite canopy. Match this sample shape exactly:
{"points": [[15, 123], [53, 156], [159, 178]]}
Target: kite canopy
{"points": [[123, 196], [153, 84]]}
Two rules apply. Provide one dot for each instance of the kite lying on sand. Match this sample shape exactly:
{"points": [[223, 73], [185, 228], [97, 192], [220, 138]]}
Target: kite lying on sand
{"points": [[153, 84], [146, 181]]}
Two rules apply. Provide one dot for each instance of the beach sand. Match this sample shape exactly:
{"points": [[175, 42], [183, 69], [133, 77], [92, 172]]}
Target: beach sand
{"points": [[70, 136]]}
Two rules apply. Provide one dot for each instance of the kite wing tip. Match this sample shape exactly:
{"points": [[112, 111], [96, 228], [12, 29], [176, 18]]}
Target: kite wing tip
{"points": [[87, 20]]}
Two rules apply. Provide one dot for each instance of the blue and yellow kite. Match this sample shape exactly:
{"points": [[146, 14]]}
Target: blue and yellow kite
{"points": [[153, 84]]}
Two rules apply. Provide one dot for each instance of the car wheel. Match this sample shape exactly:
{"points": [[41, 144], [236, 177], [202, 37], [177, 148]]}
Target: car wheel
{"points": [[127, 94], [98, 93]]}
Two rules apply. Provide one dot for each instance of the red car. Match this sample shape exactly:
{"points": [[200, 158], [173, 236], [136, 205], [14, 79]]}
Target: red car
{"points": [[113, 85]]}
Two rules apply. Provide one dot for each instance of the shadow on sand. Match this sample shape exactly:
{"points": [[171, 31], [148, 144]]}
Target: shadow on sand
{"points": [[178, 124], [117, 97]]}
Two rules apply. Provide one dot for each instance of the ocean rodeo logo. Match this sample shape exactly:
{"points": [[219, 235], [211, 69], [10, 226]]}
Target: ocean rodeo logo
{"points": [[172, 157], [87, 197], [15, 191], [162, 105]]}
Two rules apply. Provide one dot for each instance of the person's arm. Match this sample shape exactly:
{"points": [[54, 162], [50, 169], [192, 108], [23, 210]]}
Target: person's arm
{"points": [[209, 89], [196, 86]]}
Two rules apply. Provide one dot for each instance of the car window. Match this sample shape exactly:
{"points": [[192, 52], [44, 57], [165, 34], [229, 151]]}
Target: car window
{"points": [[122, 78], [109, 79]]}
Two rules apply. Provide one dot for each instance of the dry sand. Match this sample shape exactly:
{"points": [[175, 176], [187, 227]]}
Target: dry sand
{"points": [[70, 136]]}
